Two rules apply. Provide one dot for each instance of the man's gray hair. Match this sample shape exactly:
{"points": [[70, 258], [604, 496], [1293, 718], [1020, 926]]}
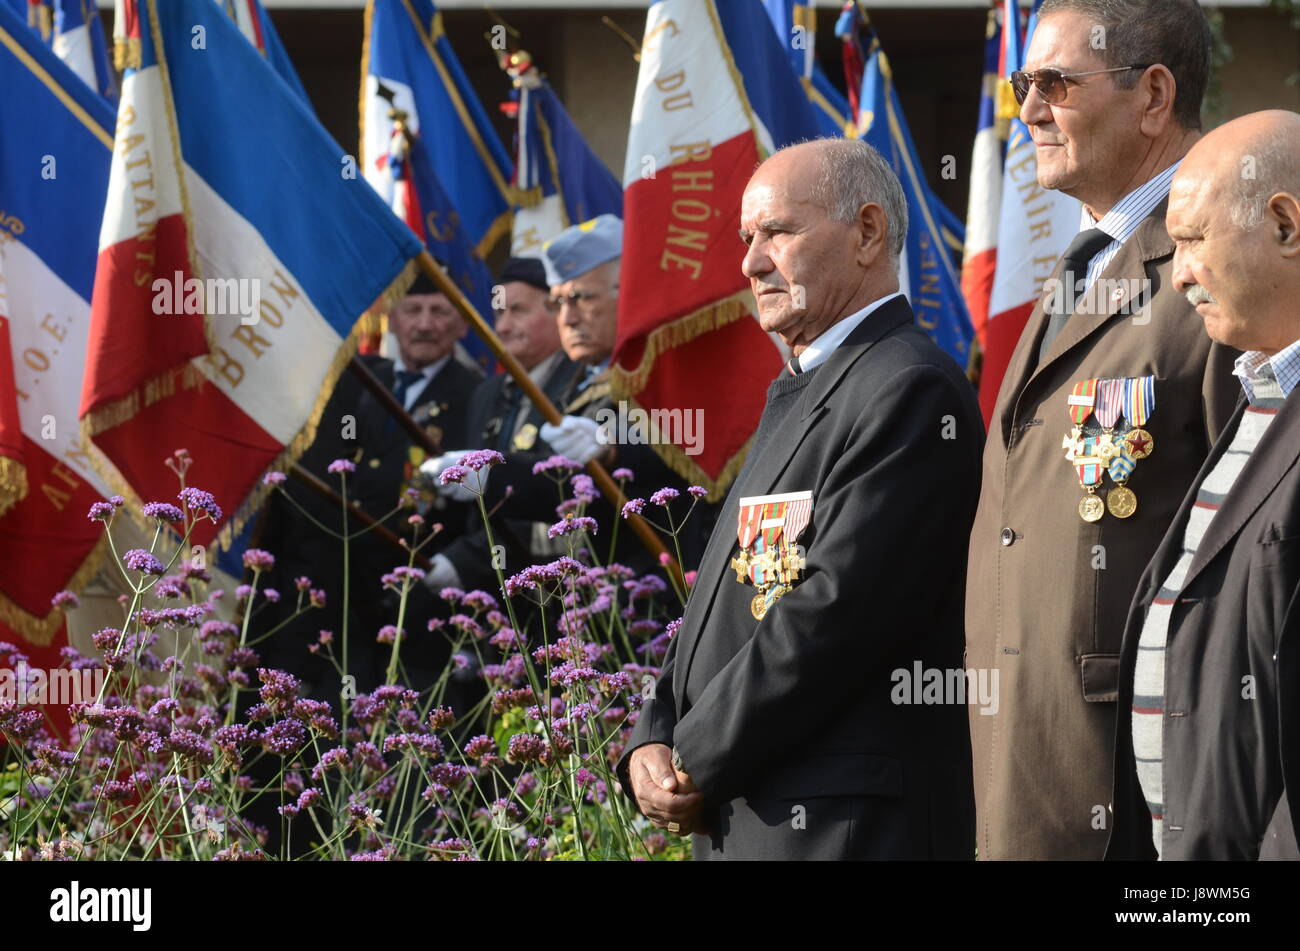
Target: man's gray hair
{"points": [[854, 174], [1271, 166], [1174, 33]]}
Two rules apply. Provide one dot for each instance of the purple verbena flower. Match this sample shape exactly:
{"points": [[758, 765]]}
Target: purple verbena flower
{"points": [[65, 598], [553, 463], [341, 465], [100, 512], [570, 524], [664, 496], [452, 474], [525, 748], [163, 511], [137, 559], [258, 559], [481, 458], [633, 506], [199, 501]]}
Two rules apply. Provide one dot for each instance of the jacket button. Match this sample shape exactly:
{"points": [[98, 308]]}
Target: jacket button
{"points": [[1007, 536]]}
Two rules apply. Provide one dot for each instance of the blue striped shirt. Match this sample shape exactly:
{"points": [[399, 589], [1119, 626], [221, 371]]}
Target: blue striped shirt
{"points": [[1122, 220], [1285, 365]]}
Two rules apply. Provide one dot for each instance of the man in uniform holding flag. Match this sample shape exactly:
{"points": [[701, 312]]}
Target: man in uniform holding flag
{"points": [[582, 268]]}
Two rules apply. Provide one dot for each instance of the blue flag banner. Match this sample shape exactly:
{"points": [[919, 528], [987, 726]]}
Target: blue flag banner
{"points": [[72, 29], [559, 181], [409, 66], [932, 283], [255, 23], [270, 242]]}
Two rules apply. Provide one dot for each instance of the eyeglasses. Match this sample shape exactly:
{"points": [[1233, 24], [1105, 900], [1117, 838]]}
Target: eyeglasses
{"points": [[1051, 82], [581, 299]]}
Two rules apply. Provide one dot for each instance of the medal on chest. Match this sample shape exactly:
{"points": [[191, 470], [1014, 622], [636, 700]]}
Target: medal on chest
{"points": [[1109, 448], [768, 530]]}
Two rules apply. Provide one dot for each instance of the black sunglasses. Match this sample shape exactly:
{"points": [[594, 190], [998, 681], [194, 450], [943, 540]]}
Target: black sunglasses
{"points": [[1051, 82]]}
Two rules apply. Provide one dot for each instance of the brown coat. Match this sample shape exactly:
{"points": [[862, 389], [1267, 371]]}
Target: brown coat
{"points": [[1047, 593]]}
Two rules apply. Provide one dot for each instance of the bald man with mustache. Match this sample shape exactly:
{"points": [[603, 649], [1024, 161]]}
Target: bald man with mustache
{"points": [[1208, 738]]}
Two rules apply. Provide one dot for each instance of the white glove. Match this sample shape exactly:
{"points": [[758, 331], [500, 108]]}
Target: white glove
{"points": [[576, 438], [433, 467], [441, 574], [453, 491]]}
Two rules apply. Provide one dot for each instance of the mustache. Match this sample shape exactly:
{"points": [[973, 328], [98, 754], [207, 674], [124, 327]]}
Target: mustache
{"points": [[1199, 295]]}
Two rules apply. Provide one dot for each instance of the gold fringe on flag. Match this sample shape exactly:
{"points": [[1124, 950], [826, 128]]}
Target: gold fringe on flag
{"points": [[126, 52], [626, 383], [41, 630], [13, 483], [499, 229], [526, 197]]}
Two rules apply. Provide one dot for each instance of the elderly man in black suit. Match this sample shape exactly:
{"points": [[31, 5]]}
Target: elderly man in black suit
{"points": [[778, 728], [1207, 756]]}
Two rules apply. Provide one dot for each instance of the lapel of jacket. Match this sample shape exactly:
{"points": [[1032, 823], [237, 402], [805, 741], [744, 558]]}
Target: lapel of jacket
{"points": [[1149, 242], [372, 416], [1259, 477], [762, 476]]}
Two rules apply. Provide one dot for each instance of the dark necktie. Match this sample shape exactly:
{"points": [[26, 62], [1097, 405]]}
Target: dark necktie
{"points": [[1082, 249], [402, 383], [793, 365], [511, 397]]}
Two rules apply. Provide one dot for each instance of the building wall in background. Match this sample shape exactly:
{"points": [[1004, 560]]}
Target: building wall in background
{"points": [[935, 53]]}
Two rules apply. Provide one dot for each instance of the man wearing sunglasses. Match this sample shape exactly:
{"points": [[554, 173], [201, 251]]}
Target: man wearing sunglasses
{"points": [[1113, 358]]}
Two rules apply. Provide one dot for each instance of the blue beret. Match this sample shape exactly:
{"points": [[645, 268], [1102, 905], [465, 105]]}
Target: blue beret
{"points": [[579, 248]]}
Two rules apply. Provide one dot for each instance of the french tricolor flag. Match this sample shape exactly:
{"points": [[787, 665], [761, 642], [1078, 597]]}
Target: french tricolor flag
{"points": [[239, 246], [55, 146], [715, 95], [1034, 227]]}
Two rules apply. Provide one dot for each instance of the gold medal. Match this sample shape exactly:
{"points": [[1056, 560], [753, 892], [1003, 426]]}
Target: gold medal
{"points": [[1139, 442], [740, 565], [1121, 501], [1091, 508], [766, 598], [526, 437]]}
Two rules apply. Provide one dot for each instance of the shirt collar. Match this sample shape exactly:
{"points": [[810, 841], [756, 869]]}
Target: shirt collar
{"points": [[429, 372], [820, 349], [1130, 211], [1255, 367], [544, 369]]}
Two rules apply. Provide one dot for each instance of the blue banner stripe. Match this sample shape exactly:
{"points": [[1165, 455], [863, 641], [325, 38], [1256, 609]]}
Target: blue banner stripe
{"points": [[55, 150], [259, 147]]}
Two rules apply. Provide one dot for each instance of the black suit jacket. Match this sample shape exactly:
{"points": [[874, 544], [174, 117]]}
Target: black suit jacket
{"points": [[787, 725], [1241, 597]]}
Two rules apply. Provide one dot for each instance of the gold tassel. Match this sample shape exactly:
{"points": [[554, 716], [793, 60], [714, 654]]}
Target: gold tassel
{"points": [[41, 630], [13, 483], [625, 383]]}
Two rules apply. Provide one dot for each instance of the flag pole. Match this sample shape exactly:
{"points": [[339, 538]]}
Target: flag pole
{"points": [[326, 492], [548, 410]]}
